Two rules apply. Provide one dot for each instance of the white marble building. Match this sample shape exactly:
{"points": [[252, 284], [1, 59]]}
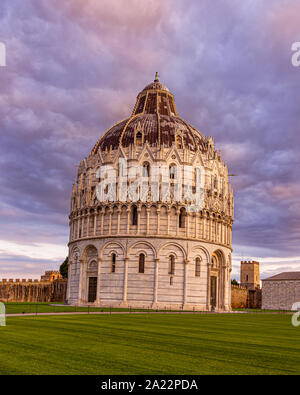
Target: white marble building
{"points": [[151, 252]]}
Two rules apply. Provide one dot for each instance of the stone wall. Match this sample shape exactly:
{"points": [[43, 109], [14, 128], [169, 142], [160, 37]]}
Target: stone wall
{"points": [[254, 299], [26, 291], [239, 297], [242, 298], [280, 294]]}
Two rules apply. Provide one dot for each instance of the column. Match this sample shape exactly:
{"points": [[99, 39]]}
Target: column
{"points": [[187, 224], [110, 219], [128, 219], [102, 220], [78, 226], [221, 232], [177, 221], [168, 219], [82, 225], [138, 219], [155, 281], [81, 279], [88, 225], [95, 223], [228, 231], [158, 220], [98, 299], [125, 280], [225, 285], [196, 216], [119, 217], [148, 219], [208, 285], [185, 286]]}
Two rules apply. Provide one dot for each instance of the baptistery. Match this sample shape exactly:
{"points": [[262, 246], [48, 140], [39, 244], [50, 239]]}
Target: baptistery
{"points": [[151, 215]]}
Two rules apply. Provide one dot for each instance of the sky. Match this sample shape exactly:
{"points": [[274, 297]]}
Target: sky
{"points": [[75, 67]]}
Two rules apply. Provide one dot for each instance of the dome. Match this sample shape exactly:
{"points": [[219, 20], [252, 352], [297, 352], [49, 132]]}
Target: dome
{"points": [[155, 116], [155, 85]]}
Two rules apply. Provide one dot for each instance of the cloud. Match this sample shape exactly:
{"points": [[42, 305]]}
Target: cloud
{"points": [[75, 67]]}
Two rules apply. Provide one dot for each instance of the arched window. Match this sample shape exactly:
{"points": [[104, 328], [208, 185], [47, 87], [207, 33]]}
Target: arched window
{"points": [[172, 264], [134, 215], [182, 218], [215, 182], [142, 263], [172, 170], [247, 277], [92, 266], [194, 180], [197, 267], [215, 262], [113, 262], [146, 169], [139, 138], [92, 222], [178, 142]]}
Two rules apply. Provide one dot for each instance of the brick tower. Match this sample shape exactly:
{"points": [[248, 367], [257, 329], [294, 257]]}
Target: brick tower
{"points": [[249, 277]]}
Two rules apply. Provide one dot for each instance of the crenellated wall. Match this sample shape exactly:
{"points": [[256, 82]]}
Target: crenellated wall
{"points": [[33, 291]]}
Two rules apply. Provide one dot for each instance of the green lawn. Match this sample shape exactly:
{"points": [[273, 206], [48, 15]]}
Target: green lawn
{"points": [[150, 344], [46, 307], [26, 307]]}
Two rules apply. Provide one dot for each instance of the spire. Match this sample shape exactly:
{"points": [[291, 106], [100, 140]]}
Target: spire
{"points": [[156, 77]]}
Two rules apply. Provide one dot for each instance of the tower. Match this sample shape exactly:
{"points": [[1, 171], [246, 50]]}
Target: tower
{"points": [[249, 277]]}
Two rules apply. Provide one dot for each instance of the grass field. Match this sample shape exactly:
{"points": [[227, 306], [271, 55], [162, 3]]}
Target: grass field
{"points": [[150, 344], [45, 307]]}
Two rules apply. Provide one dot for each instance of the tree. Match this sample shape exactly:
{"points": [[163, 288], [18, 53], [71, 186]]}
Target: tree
{"points": [[63, 269], [234, 282]]}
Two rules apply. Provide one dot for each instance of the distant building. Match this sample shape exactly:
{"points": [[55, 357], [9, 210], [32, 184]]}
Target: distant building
{"points": [[249, 277], [279, 292], [50, 276]]}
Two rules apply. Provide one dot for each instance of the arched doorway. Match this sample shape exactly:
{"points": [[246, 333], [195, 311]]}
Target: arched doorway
{"points": [[216, 283], [92, 281], [89, 278]]}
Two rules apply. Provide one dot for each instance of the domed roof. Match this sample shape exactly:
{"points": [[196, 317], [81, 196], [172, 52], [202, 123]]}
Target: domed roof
{"points": [[156, 85], [156, 121]]}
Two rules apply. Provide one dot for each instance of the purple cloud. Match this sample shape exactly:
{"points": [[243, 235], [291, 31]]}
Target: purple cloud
{"points": [[74, 68]]}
